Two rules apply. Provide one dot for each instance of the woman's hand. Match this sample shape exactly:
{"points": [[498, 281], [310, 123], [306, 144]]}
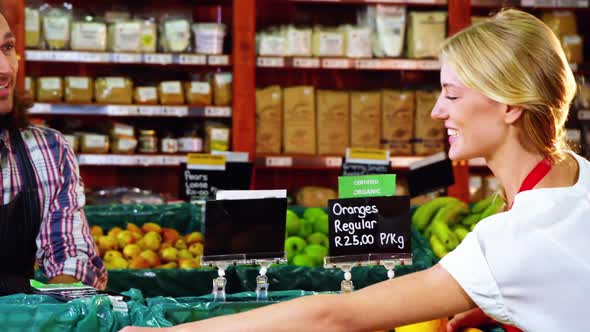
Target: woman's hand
{"points": [[472, 318]]}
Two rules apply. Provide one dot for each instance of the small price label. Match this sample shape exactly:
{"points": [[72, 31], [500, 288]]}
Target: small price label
{"points": [[333, 162], [121, 110], [584, 115], [150, 160], [217, 112], [306, 62], [125, 58], [162, 59], [218, 60], [180, 111], [271, 62], [90, 57], [173, 160], [205, 161], [32, 55], [151, 110], [192, 59], [555, 3], [40, 108], [368, 64], [336, 63], [279, 161], [428, 65]]}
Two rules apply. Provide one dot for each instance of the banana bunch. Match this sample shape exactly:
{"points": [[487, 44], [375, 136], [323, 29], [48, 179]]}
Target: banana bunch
{"points": [[446, 221]]}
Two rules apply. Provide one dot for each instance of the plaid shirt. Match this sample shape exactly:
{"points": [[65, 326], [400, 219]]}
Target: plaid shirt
{"points": [[64, 243]]}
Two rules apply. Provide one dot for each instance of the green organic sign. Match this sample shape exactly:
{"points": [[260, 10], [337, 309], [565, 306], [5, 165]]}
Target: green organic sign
{"points": [[366, 186]]}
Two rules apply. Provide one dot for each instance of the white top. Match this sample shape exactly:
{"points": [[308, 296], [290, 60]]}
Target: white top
{"points": [[530, 267]]}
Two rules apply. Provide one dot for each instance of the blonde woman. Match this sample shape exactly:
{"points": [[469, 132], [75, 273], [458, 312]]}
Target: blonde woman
{"points": [[506, 90]]}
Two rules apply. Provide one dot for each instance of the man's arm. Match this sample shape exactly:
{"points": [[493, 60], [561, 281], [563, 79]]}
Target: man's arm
{"points": [[413, 298], [67, 252]]}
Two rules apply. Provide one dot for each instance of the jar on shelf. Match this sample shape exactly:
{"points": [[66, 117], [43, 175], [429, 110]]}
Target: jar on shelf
{"points": [[148, 142], [169, 144], [190, 142]]}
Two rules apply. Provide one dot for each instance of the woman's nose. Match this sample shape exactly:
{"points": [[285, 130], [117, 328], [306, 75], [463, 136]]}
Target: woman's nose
{"points": [[439, 111]]}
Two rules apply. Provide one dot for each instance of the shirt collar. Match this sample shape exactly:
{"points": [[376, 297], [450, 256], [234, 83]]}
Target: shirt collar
{"points": [[5, 139]]}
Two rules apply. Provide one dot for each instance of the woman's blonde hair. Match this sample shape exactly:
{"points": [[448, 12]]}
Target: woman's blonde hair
{"points": [[515, 59]]}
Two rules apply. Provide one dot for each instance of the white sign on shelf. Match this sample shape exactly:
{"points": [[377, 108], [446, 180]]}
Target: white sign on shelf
{"points": [[218, 60], [40, 108], [306, 62], [584, 115], [279, 161], [336, 63], [333, 162], [368, 64], [161, 59], [151, 110], [33, 55], [555, 3], [121, 110], [273, 62], [90, 57], [173, 160], [125, 58], [180, 111], [217, 111], [192, 59]]}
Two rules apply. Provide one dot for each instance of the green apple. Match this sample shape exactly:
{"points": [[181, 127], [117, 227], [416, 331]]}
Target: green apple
{"points": [[317, 253], [305, 228], [303, 260], [319, 238], [313, 213], [321, 224], [293, 246], [293, 223]]}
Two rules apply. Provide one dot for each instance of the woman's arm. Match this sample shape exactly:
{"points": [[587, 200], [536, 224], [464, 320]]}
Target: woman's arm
{"points": [[413, 298]]}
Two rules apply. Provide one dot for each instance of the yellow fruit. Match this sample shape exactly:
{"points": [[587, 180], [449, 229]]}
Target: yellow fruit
{"points": [[151, 227], [117, 263], [96, 231], [133, 228], [139, 263], [186, 263], [151, 241], [169, 254], [107, 242], [170, 235], [131, 250], [180, 244], [114, 231], [136, 236], [196, 249], [166, 245], [152, 258], [125, 238], [184, 254], [171, 265], [437, 325], [471, 329], [194, 237], [109, 255]]}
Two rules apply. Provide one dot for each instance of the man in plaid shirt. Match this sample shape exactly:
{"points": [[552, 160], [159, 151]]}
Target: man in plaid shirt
{"points": [[42, 196]]}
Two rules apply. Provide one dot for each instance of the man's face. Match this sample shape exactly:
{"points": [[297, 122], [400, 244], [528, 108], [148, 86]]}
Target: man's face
{"points": [[8, 67]]}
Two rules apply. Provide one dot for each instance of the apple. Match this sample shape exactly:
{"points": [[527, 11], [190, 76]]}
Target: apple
{"points": [[133, 228], [184, 254], [317, 253], [109, 255], [151, 227], [303, 260], [139, 262], [166, 245], [151, 240], [136, 236], [321, 224], [180, 244], [151, 257], [170, 265], [196, 249], [116, 263], [194, 237], [169, 254], [313, 213], [305, 228], [319, 238], [125, 238], [293, 246], [96, 231], [292, 223], [114, 231], [188, 263], [107, 242], [131, 250], [170, 235]]}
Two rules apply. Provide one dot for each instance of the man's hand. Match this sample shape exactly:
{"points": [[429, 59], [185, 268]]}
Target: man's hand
{"points": [[472, 318], [63, 279]]}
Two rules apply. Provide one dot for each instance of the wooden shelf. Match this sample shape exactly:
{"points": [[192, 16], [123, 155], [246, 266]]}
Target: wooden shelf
{"points": [[555, 3], [130, 160], [346, 63], [182, 111], [128, 58], [373, 2]]}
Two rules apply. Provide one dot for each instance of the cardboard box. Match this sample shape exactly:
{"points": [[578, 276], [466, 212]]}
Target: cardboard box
{"points": [[299, 120], [269, 119], [333, 121], [398, 109], [365, 119]]}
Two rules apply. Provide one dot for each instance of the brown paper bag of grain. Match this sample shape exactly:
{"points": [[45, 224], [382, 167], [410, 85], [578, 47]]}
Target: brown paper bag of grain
{"points": [[269, 120], [299, 120], [398, 109], [429, 133], [365, 119], [333, 121]]}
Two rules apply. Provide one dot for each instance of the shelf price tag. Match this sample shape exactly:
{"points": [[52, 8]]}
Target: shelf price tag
{"points": [[584, 115], [205, 161], [218, 60], [33, 55], [336, 63], [306, 62], [555, 3], [427, 65], [121, 110], [368, 64], [273, 62], [151, 110], [40, 108], [334, 162], [125, 58], [161, 59], [192, 59], [365, 162], [179, 111], [279, 162], [217, 111], [89, 57]]}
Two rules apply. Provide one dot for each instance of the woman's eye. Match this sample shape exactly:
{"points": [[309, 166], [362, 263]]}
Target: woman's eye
{"points": [[451, 98]]}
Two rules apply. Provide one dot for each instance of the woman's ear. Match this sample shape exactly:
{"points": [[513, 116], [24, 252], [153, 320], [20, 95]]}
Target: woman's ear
{"points": [[513, 113]]}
